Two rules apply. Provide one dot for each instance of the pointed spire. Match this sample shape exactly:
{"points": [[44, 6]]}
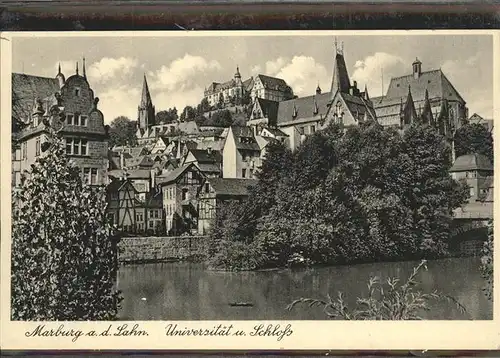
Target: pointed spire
{"points": [[318, 89], [340, 77], [426, 116], [77, 67], [294, 113], [146, 96], [59, 68], [408, 112], [367, 97], [84, 74]]}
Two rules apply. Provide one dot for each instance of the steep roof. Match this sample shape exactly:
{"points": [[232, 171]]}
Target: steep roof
{"points": [[273, 83], [231, 186], [130, 174], [146, 96], [304, 106], [340, 77], [25, 88], [435, 82], [173, 175], [206, 156], [471, 162], [244, 138], [269, 109]]}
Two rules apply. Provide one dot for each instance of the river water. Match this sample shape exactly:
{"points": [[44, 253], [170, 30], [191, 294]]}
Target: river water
{"points": [[186, 291]]}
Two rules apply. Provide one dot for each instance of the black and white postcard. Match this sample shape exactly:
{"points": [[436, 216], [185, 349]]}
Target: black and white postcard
{"points": [[272, 190]]}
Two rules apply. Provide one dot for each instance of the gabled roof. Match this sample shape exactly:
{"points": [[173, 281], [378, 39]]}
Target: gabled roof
{"points": [[205, 156], [174, 174], [340, 78], [130, 174], [25, 88], [472, 162], [231, 186], [304, 107], [269, 109], [435, 82], [273, 83], [276, 132], [244, 138], [119, 184]]}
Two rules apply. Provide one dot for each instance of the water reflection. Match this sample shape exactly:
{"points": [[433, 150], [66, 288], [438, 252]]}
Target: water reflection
{"points": [[183, 291]]}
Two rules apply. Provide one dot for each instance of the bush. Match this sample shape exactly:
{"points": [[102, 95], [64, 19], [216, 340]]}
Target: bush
{"points": [[385, 301], [487, 262], [236, 256], [64, 250]]}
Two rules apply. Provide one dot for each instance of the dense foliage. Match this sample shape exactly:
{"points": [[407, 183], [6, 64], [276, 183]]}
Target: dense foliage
{"points": [[167, 116], [474, 138], [367, 194], [487, 262], [64, 252], [122, 132], [389, 300]]}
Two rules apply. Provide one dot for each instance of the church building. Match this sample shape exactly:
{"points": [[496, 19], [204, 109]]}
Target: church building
{"points": [[425, 95]]}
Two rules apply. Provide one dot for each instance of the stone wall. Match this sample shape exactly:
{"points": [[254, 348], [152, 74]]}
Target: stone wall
{"points": [[159, 249]]}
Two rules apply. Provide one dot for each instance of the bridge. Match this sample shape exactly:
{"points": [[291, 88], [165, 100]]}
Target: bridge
{"points": [[470, 227]]}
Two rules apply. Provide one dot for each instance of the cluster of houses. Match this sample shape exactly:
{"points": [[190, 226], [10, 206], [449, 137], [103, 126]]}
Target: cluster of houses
{"points": [[176, 178]]}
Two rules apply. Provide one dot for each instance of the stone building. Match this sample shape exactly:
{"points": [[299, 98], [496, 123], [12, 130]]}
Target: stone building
{"points": [[477, 171], [423, 86], [223, 92], [67, 105], [345, 104]]}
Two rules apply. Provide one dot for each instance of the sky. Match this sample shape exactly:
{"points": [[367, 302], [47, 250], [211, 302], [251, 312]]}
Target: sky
{"points": [[179, 68]]}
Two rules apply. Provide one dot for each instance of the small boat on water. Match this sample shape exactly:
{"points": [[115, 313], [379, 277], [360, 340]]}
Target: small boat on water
{"points": [[241, 304]]}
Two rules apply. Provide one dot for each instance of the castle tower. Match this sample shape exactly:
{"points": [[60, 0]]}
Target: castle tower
{"points": [[146, 110]]}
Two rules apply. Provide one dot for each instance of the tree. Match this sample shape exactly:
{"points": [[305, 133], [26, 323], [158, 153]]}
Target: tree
{"points": [[222, 118], [187, 114], [474, 138], [122, 131], [167, 116], [64, 250]]}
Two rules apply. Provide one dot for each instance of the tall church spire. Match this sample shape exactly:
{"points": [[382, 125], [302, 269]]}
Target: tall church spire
{"points": [[77, 67], [340, 77], [146, 97], [84, 74], [146, 110]]}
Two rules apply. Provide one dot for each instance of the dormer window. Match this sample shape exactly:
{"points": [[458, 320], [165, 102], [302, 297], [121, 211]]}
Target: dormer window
{"points": [[77, 92], [69, 119], [83, 121]]}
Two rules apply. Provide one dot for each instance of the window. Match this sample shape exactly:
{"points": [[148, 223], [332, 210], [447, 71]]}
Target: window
{"points": [[83, 121], [207, 188], [37, 150], [93, 176], [301, 130], [77, 92], [313, 129], [76, 120], [76, 146], [69, 119], [139, 217], [471, 191], [243, 173], [156, 214], [470, 174], [150, 224], [251, 173], [185, 194]]}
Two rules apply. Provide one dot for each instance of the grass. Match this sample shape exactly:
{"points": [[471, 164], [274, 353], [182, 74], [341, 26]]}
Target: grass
{"points": [[388, 300]]}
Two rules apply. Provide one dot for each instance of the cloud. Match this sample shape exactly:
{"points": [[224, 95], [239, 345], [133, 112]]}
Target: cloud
{"points": [[178, 99], [369, 71], [182, 73], [119, 101], [256, 70], [302, 73], [111, 68], [273, 67]]}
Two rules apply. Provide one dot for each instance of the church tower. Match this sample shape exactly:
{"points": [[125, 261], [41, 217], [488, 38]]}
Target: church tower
{"points": [[146, 110], [340, 78]]}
